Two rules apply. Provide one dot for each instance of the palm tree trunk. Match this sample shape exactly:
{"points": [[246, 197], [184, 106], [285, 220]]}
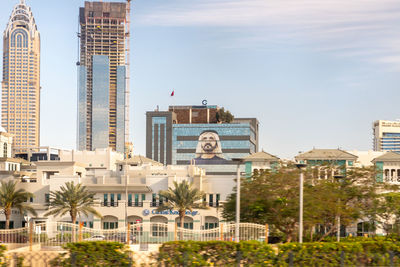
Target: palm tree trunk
{"points": [[181, 221], [73, 218], [7, 213]]}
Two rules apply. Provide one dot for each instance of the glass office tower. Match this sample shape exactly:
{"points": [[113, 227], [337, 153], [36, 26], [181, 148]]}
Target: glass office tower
{"points": [[102, 76], [21, 78]]}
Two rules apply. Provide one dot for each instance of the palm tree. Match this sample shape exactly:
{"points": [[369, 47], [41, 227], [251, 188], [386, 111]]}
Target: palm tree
{"points": [[11, 198], [182, 197], [72, 199]]}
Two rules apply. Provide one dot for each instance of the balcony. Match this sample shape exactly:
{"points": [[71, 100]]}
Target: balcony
{"points": [[135, 204], [213, 204], [155, 204], [109, 204]]}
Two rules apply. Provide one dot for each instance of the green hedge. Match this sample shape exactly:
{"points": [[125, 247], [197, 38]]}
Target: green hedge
{"points": [[254, 253], [2, 256], [94, 253], [365, 253], [216, 253]]}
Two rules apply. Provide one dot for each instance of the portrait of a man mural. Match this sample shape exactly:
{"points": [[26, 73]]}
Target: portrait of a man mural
{"points": [[208, 150]]}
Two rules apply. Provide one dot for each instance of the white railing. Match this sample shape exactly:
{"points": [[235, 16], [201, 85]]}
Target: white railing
{"points": [[56, 234]]}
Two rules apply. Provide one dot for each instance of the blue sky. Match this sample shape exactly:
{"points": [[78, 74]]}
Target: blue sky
{"points": [[315, 73]]}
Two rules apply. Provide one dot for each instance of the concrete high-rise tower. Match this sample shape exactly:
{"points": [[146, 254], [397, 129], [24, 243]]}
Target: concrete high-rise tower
{"points": [[20, 110], [103, 92]]}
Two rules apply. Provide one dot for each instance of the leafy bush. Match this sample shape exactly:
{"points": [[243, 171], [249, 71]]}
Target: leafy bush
{"points": [[254, 253], [94, 253], [2, 256], [363, 253], [217, 253]]}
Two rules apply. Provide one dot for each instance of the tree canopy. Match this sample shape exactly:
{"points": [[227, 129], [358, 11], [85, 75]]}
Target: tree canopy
{"points": [[181, 197], [272, 197], [72, 199], [13, 198]]}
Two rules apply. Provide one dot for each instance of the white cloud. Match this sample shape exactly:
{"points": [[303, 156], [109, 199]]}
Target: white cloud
{"points": [[368, 28]]}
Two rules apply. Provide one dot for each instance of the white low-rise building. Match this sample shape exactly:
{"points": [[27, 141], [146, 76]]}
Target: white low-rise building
{"points": [[127, 191]]}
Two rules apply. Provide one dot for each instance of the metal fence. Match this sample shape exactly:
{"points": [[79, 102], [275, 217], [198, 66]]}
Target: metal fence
{"points": [[55, 234]]}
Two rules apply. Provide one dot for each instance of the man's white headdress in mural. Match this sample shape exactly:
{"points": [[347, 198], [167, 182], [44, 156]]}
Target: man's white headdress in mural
{"points": [[208, 150]]}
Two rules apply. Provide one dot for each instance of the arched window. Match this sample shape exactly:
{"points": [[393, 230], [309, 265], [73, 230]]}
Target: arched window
{"points": [[19, 40], [5, 147]]}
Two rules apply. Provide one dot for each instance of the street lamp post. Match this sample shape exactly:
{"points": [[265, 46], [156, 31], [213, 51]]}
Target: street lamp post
{"points": [[338, 177], [237, 229], [300, 166]]}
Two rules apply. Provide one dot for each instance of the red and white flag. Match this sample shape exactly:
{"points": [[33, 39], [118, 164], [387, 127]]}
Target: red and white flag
{"points": [[173, 93]]}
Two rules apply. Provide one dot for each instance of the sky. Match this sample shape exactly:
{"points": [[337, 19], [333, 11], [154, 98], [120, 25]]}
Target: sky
{"points": [[314, 73]]}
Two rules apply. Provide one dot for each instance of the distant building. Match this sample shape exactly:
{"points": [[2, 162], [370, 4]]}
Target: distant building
{"points": [[159, 136], [327, 162], [260, 161], [20, 109], [6, 143], [388, 167], [365, 158], [192, 135], [386, 135], [103, 76], [42, 153]]}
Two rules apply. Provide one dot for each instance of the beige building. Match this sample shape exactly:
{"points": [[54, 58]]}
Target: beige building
{"points": [[21, 78], [127, 191], [386, 135]]}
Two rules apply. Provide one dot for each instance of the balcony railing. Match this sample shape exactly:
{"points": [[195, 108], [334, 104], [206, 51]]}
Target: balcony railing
{"points": [[155, 204], [213, 204], [109, 204], [135, 204]]}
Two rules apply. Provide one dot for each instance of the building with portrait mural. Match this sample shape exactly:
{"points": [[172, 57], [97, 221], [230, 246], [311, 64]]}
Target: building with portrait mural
{"points": [[198, 135]]}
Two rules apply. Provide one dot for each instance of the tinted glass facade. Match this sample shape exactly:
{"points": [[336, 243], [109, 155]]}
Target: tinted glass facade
{"points": [[159, 136], [121, 82], [209, 145], [230, 141], [82, 108], [390, 142], [104, 33], [100, 102], [159, 149]]}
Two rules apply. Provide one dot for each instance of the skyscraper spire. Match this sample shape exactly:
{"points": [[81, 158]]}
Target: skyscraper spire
{"points": [[22, 2]]}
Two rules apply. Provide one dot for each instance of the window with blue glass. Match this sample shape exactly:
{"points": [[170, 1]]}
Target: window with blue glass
{"points": [[100, 102]]}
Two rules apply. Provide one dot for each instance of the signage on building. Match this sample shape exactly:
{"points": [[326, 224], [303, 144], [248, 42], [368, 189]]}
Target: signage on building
{"points": [[146, 212], [390, 124]]}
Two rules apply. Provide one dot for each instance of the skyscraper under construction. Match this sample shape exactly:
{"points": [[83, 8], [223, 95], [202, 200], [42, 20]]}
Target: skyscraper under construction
{"points": [[20, 109], [103, 73]]}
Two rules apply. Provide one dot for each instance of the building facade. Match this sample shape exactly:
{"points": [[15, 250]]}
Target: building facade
{"points": [[103, 83], [193, 135], [386, 135], [127, 190], [21, 78], [388, 168]]}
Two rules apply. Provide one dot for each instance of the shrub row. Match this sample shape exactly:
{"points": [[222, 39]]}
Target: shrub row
{"points": [[94, 253], [217, 253], [254, 253]]}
